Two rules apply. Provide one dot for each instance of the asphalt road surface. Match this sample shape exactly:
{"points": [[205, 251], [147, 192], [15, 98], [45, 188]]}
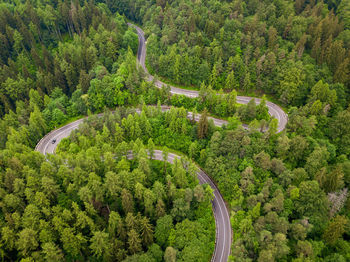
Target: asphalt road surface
{"points": [[222, 218], [221, 214], [48, 144], [274, 110]]}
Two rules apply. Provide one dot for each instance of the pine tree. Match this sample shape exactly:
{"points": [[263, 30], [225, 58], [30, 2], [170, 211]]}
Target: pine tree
{"points": [[146, 231], [165, 153], [342, 73], [84, 81], [272, 37], [246, 84], [231, 82], [100, 244], [52, 253], [37, 125], [160, 208], [231, 102], [127, 201], [203, 125], [250, 111], [335, 229], [151, 148], [134, 242]]}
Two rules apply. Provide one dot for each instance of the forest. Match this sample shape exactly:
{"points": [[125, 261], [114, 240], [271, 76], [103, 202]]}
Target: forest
{"points": [[286, 192], [90, 200]]}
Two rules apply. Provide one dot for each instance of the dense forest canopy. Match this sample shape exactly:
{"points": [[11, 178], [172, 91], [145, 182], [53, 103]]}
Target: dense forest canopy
{"points": [[287, 192], [277, 47], [90, 200]]}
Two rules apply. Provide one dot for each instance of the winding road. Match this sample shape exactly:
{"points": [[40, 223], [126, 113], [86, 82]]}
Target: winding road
{"points": [[221, 214], [274, 110], [45, 145]]}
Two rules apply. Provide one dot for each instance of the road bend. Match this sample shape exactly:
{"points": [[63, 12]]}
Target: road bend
{"points": [[274, 110], [222, 220]]}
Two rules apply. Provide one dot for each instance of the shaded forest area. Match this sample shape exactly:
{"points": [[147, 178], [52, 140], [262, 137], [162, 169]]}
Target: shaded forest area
{"points": [[287, 193], [89, 201], [280, 47]]}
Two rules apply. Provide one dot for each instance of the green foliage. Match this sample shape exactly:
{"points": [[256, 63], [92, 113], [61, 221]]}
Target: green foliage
{"points": [[335, 229], [288, 192], [80, 205], [282, 49]]}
